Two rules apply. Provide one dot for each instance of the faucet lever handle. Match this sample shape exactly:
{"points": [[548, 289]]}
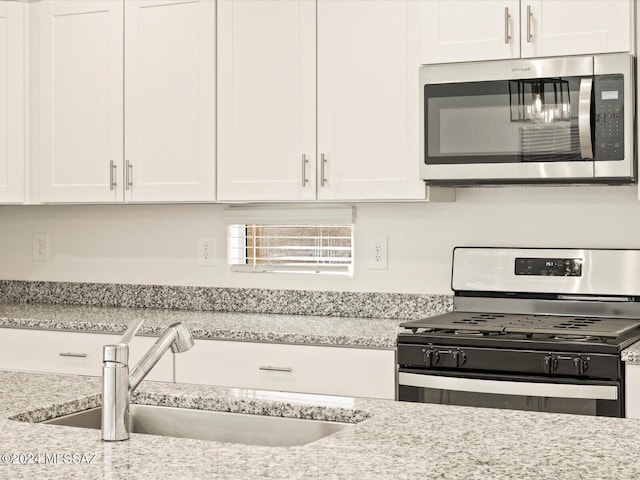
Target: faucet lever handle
{"points": [[118, 353]]}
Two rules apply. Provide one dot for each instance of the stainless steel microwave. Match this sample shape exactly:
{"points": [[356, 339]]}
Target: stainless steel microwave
{"points": [[552, 120]]}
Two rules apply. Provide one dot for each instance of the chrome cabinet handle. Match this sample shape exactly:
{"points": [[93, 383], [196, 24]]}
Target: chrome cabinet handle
{"points": [[305, 161], [529, 17], [507, 37], [75, 355], [129, 174], [584, 118], [112, 175], [275, 369], [323, 162]]}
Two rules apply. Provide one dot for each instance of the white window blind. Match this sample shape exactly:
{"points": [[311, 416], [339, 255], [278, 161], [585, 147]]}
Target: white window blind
{"points": [[291, 248], [284, 238]]}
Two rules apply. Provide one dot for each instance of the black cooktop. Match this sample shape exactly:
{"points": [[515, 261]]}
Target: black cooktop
{"points": [[528, 323], [520, 331]]}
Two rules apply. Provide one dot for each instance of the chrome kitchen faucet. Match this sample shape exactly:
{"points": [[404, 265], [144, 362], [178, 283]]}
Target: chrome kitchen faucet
{"points": [[118, 384]]}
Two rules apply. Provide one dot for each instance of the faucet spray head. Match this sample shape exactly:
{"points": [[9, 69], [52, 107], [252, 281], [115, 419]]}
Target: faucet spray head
{"points": [[183, 339]]}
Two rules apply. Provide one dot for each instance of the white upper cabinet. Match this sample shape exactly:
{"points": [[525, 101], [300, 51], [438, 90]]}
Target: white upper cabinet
{"points": [[356, 138], [80, 100], [266, 100], [469, 30], [368, 60], [169, 124], [126, 100], [12, 101], [568, 27]]}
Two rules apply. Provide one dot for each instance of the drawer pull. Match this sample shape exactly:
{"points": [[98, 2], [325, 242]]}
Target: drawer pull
{"points": [[275, 369], [76, 355]]}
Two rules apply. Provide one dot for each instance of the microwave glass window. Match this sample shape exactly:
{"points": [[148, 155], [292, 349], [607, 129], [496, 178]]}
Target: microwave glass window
{"points": [[503, 121], [471, 125]]}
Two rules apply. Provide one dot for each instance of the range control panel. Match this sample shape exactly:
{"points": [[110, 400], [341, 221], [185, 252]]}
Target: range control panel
{"points": [[609, 117], [549, 267], [430, 356]]}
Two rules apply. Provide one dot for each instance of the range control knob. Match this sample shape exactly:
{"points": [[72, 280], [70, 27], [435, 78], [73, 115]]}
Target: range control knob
{"points": [[431, 356], [580, 365], [459, 358], [550, 364]]}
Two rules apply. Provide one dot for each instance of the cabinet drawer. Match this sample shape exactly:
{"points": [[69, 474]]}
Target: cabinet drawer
{"points": [[632, 391], [71, 352], [355, 372]]}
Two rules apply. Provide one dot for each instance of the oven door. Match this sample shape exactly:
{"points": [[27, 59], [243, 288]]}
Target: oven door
{"points": [[588, 397]]}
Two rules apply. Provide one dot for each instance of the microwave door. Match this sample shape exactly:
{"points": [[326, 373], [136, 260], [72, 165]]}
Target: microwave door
{"points": [[506, 131]]}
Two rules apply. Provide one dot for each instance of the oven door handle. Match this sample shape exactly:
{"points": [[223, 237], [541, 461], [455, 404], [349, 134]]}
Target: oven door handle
{"points": [[584, 118], [501, 387]]}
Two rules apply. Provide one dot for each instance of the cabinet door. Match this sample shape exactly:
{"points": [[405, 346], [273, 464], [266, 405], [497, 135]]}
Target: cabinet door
{"points": [[266, 100], [12, 138], [368, 59], [80, 128], [71, 352], [357, 372], [567, 27], [632, 391], [468, 30], [170, 100]]}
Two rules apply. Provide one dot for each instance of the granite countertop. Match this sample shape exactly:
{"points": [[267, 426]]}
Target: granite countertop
{"points": [[391, 440], [632, 354], [259, 327]]}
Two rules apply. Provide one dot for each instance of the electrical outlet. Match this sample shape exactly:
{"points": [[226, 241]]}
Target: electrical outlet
{"points": [[205, 251], [377, 252], [40, 247]]}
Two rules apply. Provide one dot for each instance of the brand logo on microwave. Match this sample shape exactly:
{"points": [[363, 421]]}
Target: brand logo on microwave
{"points": [[521, 69]]}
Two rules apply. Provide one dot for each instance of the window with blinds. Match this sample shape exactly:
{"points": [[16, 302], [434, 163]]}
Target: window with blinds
{"points": [[291, 248]]}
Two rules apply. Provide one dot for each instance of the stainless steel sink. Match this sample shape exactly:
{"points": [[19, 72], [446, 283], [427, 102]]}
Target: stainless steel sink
{"points": [[210, 425]]}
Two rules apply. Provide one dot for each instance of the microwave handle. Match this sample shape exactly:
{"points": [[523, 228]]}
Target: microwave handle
{"points": [[584, 118]]}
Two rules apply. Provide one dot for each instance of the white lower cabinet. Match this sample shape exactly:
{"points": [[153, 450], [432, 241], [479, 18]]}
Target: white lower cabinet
{"points": [[632, 391], [357, 372], [71, 352]]}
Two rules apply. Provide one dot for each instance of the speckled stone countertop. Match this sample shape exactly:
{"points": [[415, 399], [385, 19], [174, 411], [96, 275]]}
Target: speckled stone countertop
{"points": [[262, 327], [212, 299], [393, 440], [632, 354]]}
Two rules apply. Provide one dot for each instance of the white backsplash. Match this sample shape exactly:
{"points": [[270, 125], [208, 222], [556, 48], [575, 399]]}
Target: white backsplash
{"points": [[156, 244]]}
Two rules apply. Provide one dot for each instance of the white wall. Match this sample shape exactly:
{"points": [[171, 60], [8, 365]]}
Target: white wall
{"points": [[156, 244]]}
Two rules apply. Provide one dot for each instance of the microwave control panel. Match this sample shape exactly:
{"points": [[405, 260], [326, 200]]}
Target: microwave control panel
{"points": [[609, 117]]}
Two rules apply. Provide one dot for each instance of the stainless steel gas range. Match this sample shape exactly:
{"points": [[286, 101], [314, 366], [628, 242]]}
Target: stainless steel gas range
{"points": [[531, 329]]}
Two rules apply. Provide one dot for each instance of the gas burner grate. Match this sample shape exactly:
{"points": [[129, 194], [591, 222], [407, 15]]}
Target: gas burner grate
{"points": [[471, 321], [482, 318], [523, 323], [577, 323]]}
